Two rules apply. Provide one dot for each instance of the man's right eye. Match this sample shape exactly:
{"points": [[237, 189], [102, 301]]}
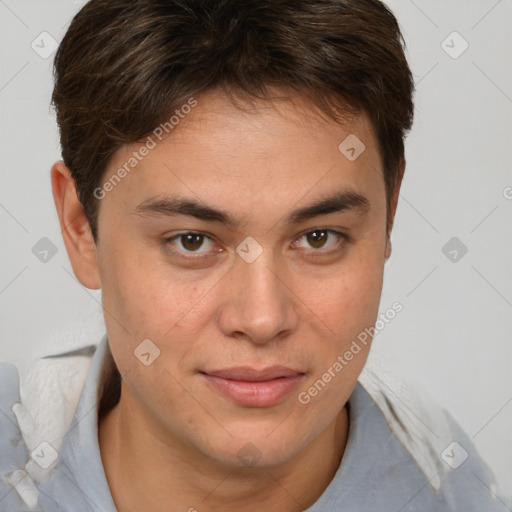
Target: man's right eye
{"points": [[190, 243]]}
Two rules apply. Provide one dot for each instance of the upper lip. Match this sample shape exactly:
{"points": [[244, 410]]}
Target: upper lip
{"points": [[253, 375]]}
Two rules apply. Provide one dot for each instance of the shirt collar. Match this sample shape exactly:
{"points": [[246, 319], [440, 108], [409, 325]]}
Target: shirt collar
{"points": [[80, 470]]}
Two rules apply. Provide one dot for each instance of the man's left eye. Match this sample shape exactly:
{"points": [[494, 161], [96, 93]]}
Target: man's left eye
{"points": [[319, 239]]}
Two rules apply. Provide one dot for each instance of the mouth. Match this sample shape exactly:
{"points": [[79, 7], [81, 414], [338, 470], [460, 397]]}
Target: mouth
{"points": [[249, 387]]}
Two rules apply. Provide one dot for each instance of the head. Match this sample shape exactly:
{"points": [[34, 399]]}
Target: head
{"points": [[229, 180]]}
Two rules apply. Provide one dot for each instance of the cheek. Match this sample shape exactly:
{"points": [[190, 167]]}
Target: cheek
{"points": [[144, 299], [346, 299], [146, 293], [349, 305]]}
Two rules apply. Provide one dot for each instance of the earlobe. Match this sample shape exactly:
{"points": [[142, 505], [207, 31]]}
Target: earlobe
{"points": [[76, 232], [387, 252]]}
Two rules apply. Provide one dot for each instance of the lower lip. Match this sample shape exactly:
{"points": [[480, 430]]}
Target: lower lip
{"points": [[255, 394]]}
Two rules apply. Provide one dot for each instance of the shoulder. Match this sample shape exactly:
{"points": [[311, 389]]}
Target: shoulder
{"points": [[13, 451], [50, 392], [454, 474], [9, 397], [38, 408]]}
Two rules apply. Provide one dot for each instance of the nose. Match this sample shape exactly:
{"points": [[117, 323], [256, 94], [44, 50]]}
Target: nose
{"points": [[259, 306]]}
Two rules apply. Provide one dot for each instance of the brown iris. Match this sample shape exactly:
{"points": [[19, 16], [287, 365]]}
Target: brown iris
{"points": [[317, 238], [192, 241]]}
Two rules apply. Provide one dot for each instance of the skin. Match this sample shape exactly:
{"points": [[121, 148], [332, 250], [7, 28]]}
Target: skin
{"points": [[172, 442]]}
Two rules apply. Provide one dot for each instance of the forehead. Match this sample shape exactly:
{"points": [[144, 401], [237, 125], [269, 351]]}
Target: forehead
{"points": [[261, 128], [257, 154]]}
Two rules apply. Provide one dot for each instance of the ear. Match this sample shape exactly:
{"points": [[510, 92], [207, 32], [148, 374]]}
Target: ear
{"points": [[393, 205], [75, 228]]}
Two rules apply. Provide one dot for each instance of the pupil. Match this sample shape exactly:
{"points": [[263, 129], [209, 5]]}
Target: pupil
{"points": [[192, 241], [317, 238]]}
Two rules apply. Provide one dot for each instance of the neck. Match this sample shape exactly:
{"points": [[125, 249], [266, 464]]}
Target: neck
{"points": [[147, 472]]}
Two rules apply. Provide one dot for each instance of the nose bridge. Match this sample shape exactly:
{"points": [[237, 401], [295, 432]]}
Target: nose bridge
{"points": [[259, 306]]}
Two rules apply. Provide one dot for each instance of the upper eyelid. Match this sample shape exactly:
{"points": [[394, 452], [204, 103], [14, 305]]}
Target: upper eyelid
{"points": [[330, 230], [183, 233], [189, 232]]}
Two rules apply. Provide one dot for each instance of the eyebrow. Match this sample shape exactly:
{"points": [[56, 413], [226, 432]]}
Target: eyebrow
{"points": [[171, 206]]}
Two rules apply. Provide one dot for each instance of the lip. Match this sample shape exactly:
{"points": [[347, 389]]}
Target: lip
{"points": [[254, 388]]}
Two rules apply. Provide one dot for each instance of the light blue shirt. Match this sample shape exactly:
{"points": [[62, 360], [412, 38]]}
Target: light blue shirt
{"points": [[376, 474]]}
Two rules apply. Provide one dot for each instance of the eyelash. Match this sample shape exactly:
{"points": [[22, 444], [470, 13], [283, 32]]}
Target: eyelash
{"points": [[339, 245]]}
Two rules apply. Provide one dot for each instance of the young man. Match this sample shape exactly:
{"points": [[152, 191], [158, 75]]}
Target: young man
{"points": [[229, 180]]}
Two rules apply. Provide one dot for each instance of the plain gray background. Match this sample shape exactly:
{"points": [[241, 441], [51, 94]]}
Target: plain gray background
{"points": [[453, 336]]}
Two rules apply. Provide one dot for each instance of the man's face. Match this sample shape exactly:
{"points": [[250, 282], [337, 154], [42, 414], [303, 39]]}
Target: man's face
{"points": [[244, 326]]}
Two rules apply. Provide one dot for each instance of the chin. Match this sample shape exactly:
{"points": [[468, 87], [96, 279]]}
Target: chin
{"points": [[262, 448]]}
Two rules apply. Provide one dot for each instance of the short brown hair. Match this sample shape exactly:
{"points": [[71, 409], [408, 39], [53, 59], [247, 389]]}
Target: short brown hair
{"points": [[125, 65]]}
